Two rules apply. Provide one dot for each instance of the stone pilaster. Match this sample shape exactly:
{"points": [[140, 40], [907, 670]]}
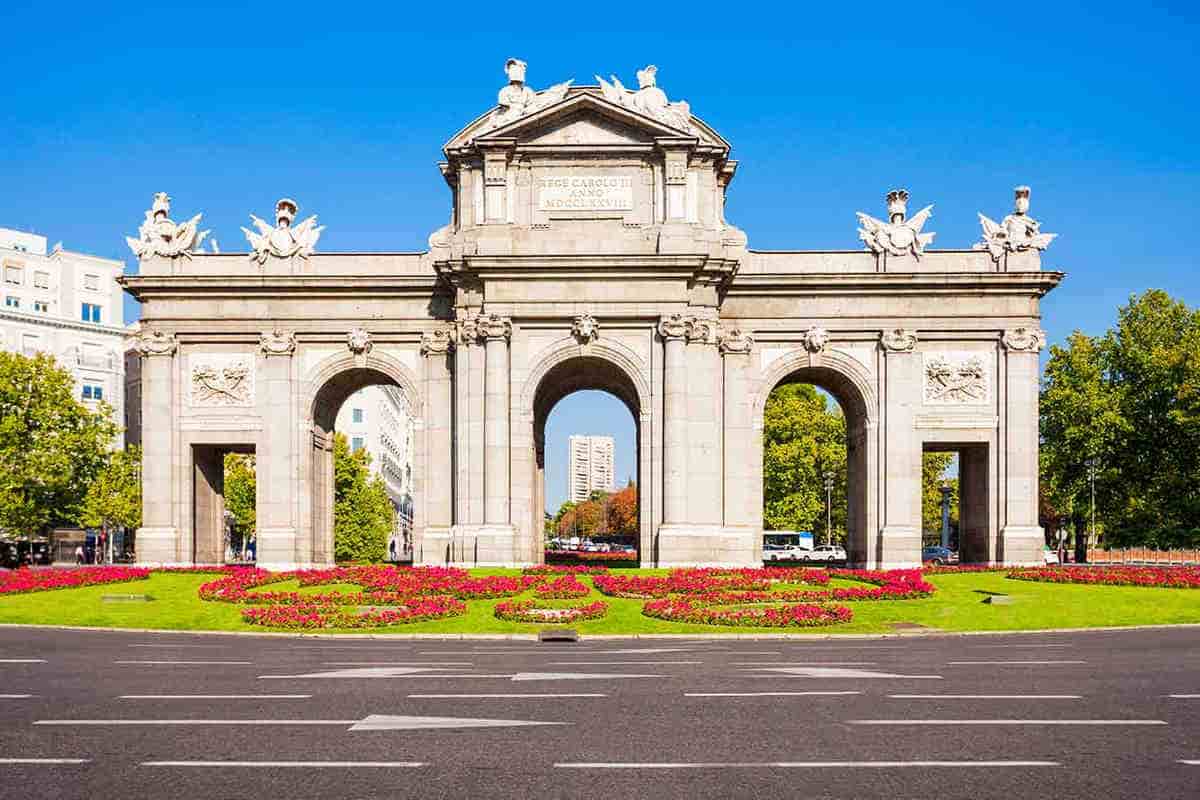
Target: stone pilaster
{"points": [[277, 545], [158, 539], [740, 472], [900, 535], [1021, 538], [430, 545], [673, 330], [704, 400]]}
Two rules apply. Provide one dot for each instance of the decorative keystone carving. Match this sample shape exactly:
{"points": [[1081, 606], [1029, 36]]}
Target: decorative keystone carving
{"points": [[585, 329], [674, 326], [221, 380], [160, 236], [735, 341], [898, 236], [517, 100], [705, 331], [1018, 231], [899, 340], [438, 341], [359, 341], [815, 339], [493, 326], [1024, 339], [283, 241], [955, 378], [278, 343], [156, 343], [648, 99]]}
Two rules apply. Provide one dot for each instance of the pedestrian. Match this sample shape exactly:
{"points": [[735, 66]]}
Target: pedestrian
{"points": [[79, 554]]}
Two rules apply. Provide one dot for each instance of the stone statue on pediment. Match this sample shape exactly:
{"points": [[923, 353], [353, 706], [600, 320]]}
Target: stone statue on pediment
{"points": [[283, 240], [518, 100], [161, 236], [1017, 232], [648, 99], [899, 235]]}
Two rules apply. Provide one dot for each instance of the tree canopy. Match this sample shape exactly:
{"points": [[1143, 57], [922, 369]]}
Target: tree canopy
{"points": [[363, 514], [51, 445], [114, 498], [241, 490], [804, 436]]}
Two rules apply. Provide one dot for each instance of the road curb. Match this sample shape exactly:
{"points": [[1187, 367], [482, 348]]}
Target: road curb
{"points": [[532, 637]]}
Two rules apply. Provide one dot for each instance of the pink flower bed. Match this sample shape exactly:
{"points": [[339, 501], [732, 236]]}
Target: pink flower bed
{"points": [[1156, 577], [699, 581], [565, 569], [417, 609], [566, 587], [22, 581], [573, 555], [389, 582], [527, 611], [800, 615]]}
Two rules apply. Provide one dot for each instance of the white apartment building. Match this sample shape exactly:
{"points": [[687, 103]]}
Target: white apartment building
{"points": [[377, 419], [591, 466], [69, 305]]}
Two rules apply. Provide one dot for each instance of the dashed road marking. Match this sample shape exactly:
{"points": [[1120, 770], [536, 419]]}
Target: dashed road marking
{"points": [[215, 696], [45, 761], [186, 663], [1007, 722], [767, 694], [499, 696], [1011, 663], [22, 661], [801, 764], [985, 696], [290, 764]]}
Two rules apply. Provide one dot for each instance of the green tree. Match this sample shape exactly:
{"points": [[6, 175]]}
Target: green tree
{"points": [[804, 436], [51, 445], [114, 498], [241, 493], [933, 468], [363, 515]]}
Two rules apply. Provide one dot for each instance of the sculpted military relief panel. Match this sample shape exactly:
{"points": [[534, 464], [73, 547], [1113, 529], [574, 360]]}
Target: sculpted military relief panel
{"points": [[957, 378], [220, 380]]}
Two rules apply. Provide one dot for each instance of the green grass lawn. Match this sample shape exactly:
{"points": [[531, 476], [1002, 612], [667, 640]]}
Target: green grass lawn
{"points": [[957, 606]]}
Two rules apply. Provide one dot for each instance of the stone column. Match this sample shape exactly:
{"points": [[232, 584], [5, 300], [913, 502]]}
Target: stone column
{"points": [[900, 535], [1021, 538], [158, 539], [673, 330], [277, 545], [741, 465], [704, 400], [431, 546], [496, 330]]}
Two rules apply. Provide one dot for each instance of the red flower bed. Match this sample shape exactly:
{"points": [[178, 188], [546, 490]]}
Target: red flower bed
{"points": [[22, 581], [527, 611], [573, 555], [566, 569], [1157, 577], [699, 581], [800, 615], [950, 569], [566, 587], [385, 582], [416, 609]]}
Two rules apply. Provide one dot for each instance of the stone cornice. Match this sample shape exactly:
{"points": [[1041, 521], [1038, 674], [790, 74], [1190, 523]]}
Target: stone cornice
{"points": [[281, 285], [894, 283], [65, 324]]}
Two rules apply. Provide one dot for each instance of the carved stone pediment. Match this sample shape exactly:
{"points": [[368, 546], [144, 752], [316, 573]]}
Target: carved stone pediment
{"points": [[584, 128]]}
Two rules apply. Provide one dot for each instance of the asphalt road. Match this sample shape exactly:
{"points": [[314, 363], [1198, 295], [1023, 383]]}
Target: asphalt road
{"points": [[128, 715]]}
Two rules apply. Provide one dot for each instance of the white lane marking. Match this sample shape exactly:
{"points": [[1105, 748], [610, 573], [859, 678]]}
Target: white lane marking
{"points": [[575, 676], [22, 661], [1013, 644], [838, 672], [15, 696], [1190, 762], [397, 663], [500, 696], [362, 672], [181, 645], [297, 764], [1185, 696], [104, 722], [648, 650], [804, 764], [214, 697], [617, 663], [1006, 663], [986, 696], [1007, 722], [766, 694], [188, 663], [45, 761], [386, 722], [804, 663]]}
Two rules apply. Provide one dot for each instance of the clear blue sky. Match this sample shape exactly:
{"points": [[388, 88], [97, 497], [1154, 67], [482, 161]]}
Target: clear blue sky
{"points": [[345, 108]]}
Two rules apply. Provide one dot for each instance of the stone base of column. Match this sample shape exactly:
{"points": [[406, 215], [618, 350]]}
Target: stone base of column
{"points": [[707, 546], [1022, 546], [434, 549], [485, 546], [276, 549], [157, 547], [899, 548]]}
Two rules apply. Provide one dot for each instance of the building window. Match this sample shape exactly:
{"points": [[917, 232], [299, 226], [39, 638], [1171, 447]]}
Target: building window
{"points": [[29, 344], [91, 282], [92, 392], [41, 306], [358, 415], [12, 302], [14, 275], [41, 280], [91, 312], [356, 444]]}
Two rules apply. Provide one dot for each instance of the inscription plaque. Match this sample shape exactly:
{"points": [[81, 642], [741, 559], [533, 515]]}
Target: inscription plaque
{"points": [[585, 193]]}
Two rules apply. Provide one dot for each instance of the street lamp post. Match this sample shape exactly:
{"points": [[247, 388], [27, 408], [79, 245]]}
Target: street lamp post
{"points": [[828, 508], [1093, 465]]}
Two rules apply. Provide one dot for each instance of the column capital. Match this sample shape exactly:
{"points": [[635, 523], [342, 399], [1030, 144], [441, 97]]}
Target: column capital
{"points": [[438, 341], [735, 341], [703, 330], [156, 343], [898, 340], [277, 343], [673, 326], [491, 327], [1024, 340]]}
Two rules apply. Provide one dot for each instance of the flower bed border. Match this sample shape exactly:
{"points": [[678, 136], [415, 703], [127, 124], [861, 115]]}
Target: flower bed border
{"points": [[797, 615], [28, 581], [520, 611], [305, 617], [1144, 577]]}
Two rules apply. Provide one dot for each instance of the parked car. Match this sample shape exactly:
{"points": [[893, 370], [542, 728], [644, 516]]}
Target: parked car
{"points": [[784, 552], [938, 555], [824, 552]]}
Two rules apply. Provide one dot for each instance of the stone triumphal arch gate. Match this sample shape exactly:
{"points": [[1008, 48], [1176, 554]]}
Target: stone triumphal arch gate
{"points": [[588, 248]]}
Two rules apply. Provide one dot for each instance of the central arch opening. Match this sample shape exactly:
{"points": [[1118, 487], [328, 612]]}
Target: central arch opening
{"points": [[588, 481]]}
